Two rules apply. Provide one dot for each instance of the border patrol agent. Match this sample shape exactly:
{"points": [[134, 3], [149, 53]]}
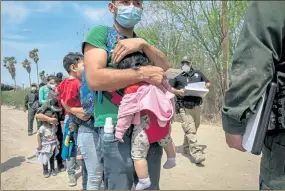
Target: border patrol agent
{"points": [[259, 59], [189, 108], [31, 104]]}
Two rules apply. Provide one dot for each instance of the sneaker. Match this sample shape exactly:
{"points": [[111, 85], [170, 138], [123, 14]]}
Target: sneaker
{"points": [[30, 134], [53, 173], [199, 159], [61, 167], [46, 174], [72, 180]]}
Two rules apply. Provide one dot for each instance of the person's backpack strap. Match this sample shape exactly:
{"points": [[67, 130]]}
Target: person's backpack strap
{"points": [[111, 40], [87, 96]]}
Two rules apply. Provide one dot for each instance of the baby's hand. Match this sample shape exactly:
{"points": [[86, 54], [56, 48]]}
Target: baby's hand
{"points": [[119, 137], [121, 140]]}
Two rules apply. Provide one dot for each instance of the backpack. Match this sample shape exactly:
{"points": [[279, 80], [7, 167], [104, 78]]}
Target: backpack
{"points": [[87, 96]]}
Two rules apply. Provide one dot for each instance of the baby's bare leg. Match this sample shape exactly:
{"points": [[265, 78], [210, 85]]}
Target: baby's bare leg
{"points": [[140, 146], [170, 150], [141, 168]]}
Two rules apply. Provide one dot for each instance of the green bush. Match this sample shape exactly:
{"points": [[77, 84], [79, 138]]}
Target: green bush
{"points": [[14, 98]]}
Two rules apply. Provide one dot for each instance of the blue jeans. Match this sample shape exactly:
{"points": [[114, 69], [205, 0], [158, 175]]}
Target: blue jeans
{"points": [[88, 144], [119, 173]]}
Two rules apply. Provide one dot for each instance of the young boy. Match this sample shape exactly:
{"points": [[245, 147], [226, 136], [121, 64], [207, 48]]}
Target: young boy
{"points": [[68, 92]]}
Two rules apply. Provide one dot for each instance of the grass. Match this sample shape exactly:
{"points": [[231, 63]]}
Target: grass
{"points": [[14, 98]]}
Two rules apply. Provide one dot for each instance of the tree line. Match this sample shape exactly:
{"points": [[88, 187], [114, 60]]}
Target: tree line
{"points": [[204, 31], [10, 63]]}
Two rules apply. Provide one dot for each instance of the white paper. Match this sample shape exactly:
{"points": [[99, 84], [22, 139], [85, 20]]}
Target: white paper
{"points": [[197, 85], [197, 89], [252, 126], [172, 73]]}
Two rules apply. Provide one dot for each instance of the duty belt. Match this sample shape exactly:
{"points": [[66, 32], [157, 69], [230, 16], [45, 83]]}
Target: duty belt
{"points": [[278, 111]]}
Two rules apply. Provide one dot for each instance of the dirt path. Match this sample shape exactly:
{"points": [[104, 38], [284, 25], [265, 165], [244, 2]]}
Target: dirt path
{"points": [[223, 169]]}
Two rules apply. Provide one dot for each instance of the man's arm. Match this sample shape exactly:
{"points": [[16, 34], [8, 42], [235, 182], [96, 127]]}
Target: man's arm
{"points": [[258, 48], [26, 102], [103, 79], [156, 56], [204, 79], [173, 84], [42, 117]]}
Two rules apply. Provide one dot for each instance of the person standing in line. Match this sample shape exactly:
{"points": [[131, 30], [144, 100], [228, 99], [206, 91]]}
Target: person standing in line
{"points": [[259, 59], [102, 77], [189, 108], [44, 90], [31, 104]]}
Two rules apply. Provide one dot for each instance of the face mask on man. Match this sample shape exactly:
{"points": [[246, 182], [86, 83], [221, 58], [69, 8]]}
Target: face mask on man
{"points": [[128, 16], [186, 68], [33, 89]]}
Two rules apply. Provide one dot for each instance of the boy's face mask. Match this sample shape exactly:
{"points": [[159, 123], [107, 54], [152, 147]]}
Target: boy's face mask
{"points": [[128, 16]]}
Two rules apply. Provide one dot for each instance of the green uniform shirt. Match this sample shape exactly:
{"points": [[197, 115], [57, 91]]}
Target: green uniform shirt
{"points": [[97, 37], [260, 49]]}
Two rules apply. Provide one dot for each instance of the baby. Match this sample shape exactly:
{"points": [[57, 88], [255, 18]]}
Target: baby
{"points": [[47, 145], [150, 110]]}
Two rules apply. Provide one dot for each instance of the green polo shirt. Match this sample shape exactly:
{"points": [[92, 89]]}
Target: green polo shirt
{"points": [[97, 37]]}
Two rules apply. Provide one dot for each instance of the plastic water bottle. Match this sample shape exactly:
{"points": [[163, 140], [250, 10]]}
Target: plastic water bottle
{"points": [[109, 129]]}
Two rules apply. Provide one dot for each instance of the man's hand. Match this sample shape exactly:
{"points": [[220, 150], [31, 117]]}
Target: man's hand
{"points": [[180, 92], [127, 46], [235, 142], [25, 110], [53, 121], [154, 75], [39, 147]]}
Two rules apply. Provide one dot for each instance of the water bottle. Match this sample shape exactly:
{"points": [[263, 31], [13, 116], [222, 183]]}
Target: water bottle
{"points": [[109, 130]]}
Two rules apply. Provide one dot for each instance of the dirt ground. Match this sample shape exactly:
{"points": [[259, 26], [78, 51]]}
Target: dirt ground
{"points": [[223, 169]]}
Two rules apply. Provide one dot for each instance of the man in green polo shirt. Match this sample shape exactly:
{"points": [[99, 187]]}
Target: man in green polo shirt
{"points": [[118, 165]]}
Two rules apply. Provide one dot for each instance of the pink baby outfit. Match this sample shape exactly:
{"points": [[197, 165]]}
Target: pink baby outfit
{"points": [[148, 99]]}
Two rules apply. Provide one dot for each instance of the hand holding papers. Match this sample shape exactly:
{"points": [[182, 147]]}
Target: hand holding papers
{"points": [[197, 89]]}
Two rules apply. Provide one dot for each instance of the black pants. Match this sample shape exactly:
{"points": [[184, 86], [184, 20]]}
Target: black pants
{"points": [[59, 135], [51, 162]]}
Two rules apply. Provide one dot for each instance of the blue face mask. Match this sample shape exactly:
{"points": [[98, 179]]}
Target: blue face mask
{"points": [[128, 16]]}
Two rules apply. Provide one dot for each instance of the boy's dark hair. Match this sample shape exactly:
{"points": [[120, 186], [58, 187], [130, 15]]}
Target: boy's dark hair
{"points": [[70, 59], [133, 60]]}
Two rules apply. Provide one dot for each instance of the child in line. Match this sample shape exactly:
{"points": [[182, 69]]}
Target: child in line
{"points": [[68, 92], [87, 134], [47, 145], [150, 109]]}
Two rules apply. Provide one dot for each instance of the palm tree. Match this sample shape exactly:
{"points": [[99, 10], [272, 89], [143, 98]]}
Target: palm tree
{"points": [[9, 63], [33, 54], [42, 76], [27, 65]]}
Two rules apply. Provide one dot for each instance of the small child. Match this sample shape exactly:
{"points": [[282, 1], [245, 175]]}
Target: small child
{"points": [[47, 145], [68, 92], [150, 110]]}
